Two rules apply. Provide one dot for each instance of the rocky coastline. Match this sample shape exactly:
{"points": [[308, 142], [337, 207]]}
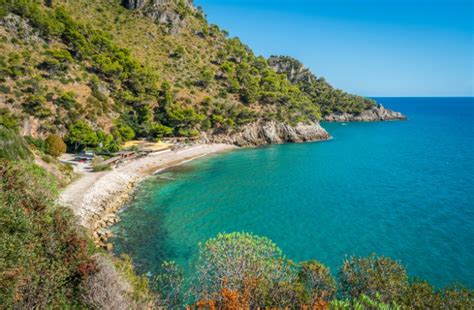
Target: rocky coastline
{"points": [[96, 198], [375, 114], [272, 132]]}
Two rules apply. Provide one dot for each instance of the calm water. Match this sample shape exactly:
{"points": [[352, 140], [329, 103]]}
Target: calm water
{"points": [[401, 189]]}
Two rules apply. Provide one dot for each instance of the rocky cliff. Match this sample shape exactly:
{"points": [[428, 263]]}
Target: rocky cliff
{"points": [[335, 105], [271, 132], [294, 70], [378, 113], [170, 13], [139, 4]]}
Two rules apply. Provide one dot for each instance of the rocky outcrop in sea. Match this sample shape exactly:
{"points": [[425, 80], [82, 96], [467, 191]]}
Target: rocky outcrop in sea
{"points": [[271, 132], [377, 113]]}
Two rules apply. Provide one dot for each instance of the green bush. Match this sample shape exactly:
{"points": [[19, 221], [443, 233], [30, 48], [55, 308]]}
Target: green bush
{"points": [[188, 132], [317, 283], [9, 120], [66, 100], [12, 146], [160, 131], [241, 261], [363, 302], [38, 143], [168, 283], [36, 105], [81, 135], [123, 132], [54, 145], [44, 257], [101, 167], [373, 275], [206, 77], [57, 60]]}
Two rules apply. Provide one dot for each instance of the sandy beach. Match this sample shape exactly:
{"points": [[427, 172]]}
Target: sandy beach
{"points": [[95, 197]]}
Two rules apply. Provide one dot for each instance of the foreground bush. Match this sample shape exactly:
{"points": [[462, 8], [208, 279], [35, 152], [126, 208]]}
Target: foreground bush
{"points": [[238, 262], [43, 255], [373, 276], [244, 271]]}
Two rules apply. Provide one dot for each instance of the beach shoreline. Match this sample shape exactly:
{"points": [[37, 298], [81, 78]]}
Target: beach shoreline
{"points": [[96, 197]]}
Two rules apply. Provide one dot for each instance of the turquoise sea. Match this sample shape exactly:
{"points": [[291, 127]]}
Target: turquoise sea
{"points": [[401, 189]]}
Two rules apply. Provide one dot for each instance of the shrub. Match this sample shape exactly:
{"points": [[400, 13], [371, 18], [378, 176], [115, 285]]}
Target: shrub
{"points": [[206, 77], [47, 159], [44, 255], [66, 100], [373, 275], [57, 60], [178, 53], [363, 302], [188, 132], [159, 131], [123, 132], [169, 285], [317, 283], [101, 167], [8, 120], [240, 262], [36, 105], [12, 146], [54, 145], [106, 289], [38, 143]]}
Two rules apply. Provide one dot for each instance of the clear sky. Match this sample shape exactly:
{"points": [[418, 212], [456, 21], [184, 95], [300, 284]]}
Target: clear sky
{"points": [[368, 47]]}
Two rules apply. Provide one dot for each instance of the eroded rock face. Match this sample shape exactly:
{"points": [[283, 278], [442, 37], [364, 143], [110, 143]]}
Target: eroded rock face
{"points": [[294, 70], [378, 113], [139, 4], [272, 132], [20, 28], [163, 12]]}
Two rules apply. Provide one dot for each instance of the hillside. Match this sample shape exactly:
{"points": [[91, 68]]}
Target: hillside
{"points": [[114, 70]]}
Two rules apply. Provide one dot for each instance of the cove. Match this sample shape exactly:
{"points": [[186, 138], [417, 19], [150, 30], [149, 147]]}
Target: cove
{"points": [[400, 189]]}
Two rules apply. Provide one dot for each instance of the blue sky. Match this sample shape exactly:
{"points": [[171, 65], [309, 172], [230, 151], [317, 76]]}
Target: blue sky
{"points": [[368, 47]]}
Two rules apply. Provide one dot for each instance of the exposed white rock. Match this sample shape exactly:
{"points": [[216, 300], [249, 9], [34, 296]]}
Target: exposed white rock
{"points": [[272, 132], [378, 113]]}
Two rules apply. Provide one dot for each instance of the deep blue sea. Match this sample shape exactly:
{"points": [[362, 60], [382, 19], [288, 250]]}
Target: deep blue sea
{"points": [[401, 189]]}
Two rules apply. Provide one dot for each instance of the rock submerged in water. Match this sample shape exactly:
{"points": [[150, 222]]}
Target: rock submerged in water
{"points": [[272, 132], [378, 113]]}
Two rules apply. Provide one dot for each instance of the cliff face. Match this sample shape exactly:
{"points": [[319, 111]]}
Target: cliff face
{"points": [[139, 4], [331, 101], [165, 12], [272, 132], [294, 70], [378, 113]]}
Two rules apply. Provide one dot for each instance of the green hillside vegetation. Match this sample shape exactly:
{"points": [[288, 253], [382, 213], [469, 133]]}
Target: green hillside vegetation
{"points": [[329, 99], [13, 146], [95, 64], [46, 259]]}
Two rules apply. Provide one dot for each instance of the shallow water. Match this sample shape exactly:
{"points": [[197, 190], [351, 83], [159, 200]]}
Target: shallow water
{"points": [[401, 189]]}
